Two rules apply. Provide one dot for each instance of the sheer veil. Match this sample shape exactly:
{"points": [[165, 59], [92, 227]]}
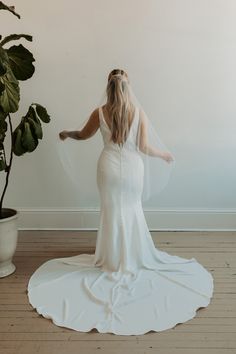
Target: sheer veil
{"points": [[77, 159]]}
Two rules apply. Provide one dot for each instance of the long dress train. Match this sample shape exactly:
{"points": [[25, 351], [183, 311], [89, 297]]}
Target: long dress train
{"points": [[128, 286]]}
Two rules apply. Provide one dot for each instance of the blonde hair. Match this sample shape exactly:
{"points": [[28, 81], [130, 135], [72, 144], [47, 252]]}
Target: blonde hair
{"points": [[119, 106]]}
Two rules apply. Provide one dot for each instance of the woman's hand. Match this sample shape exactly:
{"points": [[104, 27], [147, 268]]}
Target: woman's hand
{"points": [[63, 135], [167, 156]]}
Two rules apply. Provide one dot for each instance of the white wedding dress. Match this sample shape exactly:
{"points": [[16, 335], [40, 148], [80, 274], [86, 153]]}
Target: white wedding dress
{"points": [[128, 287]]}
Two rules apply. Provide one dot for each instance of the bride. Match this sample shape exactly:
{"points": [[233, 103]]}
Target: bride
{"points": [[127, 286]]}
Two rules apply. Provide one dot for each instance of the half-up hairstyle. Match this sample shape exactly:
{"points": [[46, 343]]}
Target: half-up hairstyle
{"points": [[119, 106]]}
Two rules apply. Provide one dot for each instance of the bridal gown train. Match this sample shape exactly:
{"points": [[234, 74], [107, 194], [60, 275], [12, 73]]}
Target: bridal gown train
{"points": [[128, 286]]}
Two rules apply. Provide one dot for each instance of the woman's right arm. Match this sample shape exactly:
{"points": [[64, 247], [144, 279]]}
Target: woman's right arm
{"points": [[88, 130]]}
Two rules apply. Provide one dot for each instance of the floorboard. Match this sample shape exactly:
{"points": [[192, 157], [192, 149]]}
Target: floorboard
{"points": [[212, 331]]}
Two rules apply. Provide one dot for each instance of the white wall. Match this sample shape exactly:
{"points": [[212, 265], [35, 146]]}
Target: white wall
{"points": [[180, 56]]}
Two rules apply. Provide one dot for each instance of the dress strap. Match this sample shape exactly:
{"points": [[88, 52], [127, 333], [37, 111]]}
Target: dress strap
{"points": [[136, 117], [100, 115]]}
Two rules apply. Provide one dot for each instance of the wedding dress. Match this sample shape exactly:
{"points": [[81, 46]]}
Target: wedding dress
{"points": [[128, 286]]}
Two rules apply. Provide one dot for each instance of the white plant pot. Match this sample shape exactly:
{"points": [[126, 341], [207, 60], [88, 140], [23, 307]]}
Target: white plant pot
{"points": [[8, 241]]}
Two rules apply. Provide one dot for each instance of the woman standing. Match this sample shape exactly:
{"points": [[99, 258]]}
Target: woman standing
{"points": [[127, 286]]}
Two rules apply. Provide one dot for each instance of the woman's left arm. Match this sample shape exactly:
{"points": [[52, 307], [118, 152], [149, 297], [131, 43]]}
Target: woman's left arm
{"points": [[88, 130]]}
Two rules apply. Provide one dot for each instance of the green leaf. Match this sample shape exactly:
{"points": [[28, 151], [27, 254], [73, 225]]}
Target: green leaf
{"points": [[3, 61], [3, 129], [42, 113], [14, 37], [3, 56], [18, 149], [21, 60], [8, 8], [9, 86], [2, 68], [2, 87], [2, 158], [29, 141], [35, 123], [3, 114], [10, 97], [2, 163]]}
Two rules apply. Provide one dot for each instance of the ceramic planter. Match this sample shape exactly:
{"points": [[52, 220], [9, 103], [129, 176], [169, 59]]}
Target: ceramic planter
{"points": [[8, 241]]}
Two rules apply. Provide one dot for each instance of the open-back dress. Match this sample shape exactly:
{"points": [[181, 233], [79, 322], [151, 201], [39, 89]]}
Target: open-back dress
{"points": [[128, 286]]}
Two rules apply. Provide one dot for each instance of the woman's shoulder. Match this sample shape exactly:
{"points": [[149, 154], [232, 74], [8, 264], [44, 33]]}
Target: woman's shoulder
{"points": [[95, 112]]}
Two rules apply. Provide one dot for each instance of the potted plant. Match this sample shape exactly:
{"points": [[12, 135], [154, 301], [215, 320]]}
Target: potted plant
{"points": [[16, 64]]}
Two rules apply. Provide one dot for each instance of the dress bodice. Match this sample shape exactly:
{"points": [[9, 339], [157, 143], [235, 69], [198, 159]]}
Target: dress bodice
{"points": [[131, 142]]}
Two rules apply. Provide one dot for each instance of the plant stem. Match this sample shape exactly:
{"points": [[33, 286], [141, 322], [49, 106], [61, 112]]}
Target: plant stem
{"points": [[8, 167]]}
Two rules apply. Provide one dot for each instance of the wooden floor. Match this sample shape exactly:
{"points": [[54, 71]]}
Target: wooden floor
{"points": [[212, 331]]}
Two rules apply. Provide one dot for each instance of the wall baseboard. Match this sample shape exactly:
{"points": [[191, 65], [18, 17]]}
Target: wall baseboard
{"points": [[157, 220]]}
